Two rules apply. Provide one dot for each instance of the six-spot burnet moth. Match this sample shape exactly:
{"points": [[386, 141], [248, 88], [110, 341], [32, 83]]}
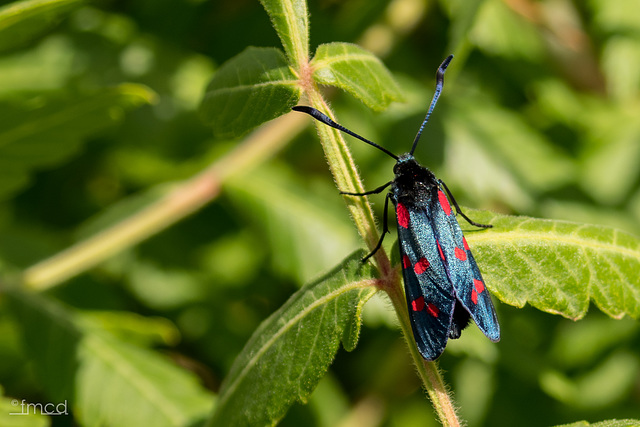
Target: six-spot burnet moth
{"points": [[443, 285]]}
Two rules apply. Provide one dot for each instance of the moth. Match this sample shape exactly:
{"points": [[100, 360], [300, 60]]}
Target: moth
{"points": [[443, 285]]}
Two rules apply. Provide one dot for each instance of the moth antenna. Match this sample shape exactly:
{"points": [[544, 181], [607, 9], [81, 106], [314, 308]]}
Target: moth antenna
{"points": [[436, 95], [327, 121]]}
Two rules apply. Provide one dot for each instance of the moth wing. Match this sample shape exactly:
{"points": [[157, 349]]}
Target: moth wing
{"points": [[478, 302], [429, 293], [462, 268]]}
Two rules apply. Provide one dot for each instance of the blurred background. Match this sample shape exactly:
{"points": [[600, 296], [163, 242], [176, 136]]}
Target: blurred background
{"points": [[539, 116]]}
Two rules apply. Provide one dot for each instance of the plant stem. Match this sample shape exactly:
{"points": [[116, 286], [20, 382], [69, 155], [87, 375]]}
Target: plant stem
{"points": [[347, 178], [183, 200], [428, 371]]}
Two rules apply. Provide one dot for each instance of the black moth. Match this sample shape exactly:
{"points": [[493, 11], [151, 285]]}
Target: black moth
{"points": [[443, 285]]}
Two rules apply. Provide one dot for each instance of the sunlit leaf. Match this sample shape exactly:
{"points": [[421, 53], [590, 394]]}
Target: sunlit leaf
{"points": [[356, 71], [292, 349], [251, 88], [558, 266]]}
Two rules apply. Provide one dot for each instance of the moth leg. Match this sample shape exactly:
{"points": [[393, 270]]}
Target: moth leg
{"points": [[385, 225], [459, 211], [375, 191]]}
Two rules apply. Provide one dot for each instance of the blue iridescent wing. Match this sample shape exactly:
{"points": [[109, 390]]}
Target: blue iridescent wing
{"points": [[429, 292], [462, 268]]}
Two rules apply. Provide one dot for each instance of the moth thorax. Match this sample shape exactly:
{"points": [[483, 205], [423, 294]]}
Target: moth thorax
{"points": [[413, 180]]}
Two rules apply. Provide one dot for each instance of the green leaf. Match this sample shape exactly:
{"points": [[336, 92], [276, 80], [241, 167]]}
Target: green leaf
{"points": [[289, 353], [21, 21], [106, 381], [35, 136], [290, 19], [357, 71], [251, 88], [558, 266]]}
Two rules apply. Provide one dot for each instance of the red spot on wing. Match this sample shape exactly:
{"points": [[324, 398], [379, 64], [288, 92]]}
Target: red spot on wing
{"points": [[446, 207], [460, 254], [440, 250], [464, 242], [433, 310], [403, 215], [406, 263], [421, 266], [417, 304], [478, 288]]}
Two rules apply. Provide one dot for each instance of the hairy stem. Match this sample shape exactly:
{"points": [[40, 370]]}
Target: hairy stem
{"points": [[347, 179], [428, 371], [186, 198], [346, 176]]}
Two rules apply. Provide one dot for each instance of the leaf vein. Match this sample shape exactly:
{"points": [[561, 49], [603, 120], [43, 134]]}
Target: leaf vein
{"points": [[288, 325], [250, 87], [537, 238], [345, 58]]}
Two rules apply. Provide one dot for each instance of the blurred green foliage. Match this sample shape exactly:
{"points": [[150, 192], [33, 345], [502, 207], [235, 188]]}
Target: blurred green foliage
{"points": [[539, 117]]}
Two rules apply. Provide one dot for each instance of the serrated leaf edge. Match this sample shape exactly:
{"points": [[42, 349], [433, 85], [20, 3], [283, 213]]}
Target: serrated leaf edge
{"points": [[356, 315], [518, 237]]}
